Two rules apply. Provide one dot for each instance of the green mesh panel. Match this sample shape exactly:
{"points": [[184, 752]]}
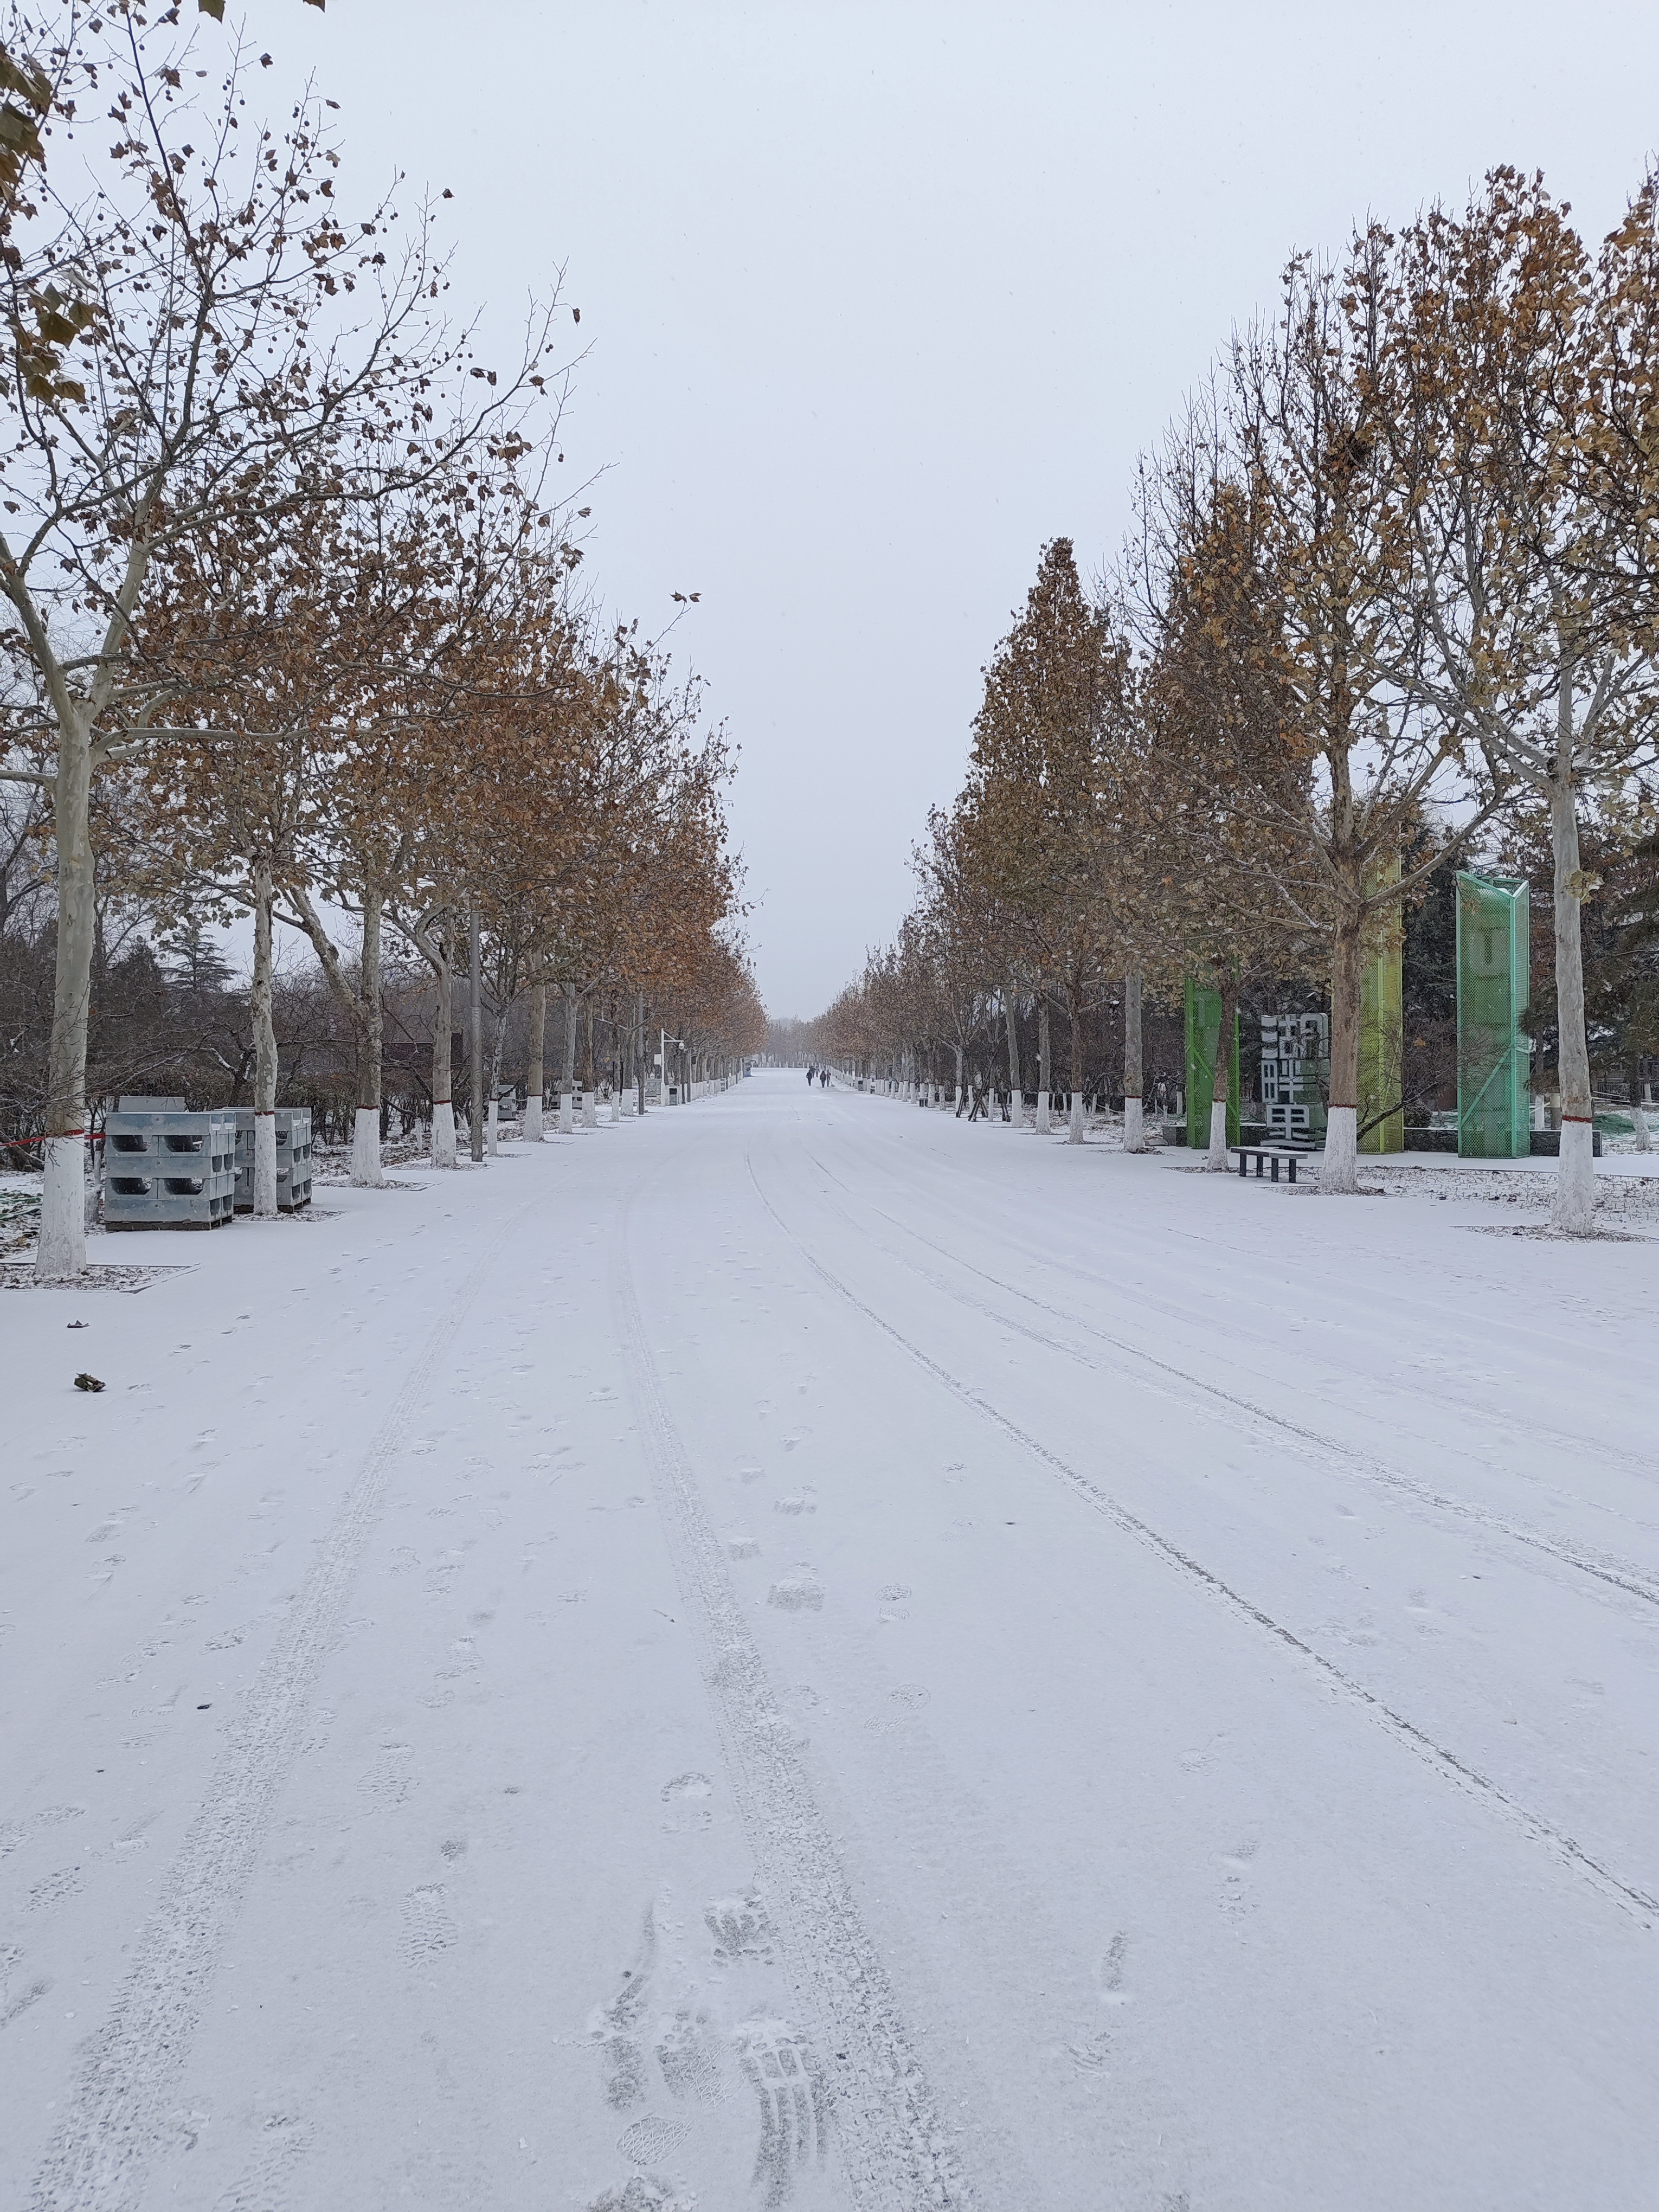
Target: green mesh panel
{"points": [[1493, 1064], [1203, 1035], [1382, 1027]]}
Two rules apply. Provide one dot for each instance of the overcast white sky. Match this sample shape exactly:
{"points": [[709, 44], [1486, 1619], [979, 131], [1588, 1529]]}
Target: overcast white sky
{"points": [[881, 297]]}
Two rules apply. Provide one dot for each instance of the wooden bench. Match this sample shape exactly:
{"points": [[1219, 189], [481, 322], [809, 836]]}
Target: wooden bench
{"points": [[1265, 1154]]}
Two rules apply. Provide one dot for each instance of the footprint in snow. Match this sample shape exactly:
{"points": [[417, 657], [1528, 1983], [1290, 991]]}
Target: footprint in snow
{"points": [[263, 2186], [428, 1928], [689, 2057], [1235, 1900], [615, 2026], [650, 2139], [390, 1780], [644, 2192], [793, 2107], [685, 1797], [800, 1592], [53, 1888], [740, 1929], [1112, 1991], [909, 1697]]}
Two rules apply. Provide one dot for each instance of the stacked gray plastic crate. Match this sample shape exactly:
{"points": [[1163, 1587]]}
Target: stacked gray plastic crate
{"points": [[292, 1157], [165, 1169]]}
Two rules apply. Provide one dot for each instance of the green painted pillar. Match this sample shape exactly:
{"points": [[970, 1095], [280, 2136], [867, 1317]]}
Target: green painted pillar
{"points": [[1203, 1037], [1494, 1062], [1383, 1024]]}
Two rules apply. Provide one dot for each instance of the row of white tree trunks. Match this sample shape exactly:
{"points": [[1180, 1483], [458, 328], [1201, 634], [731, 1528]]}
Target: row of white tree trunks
{"points": [[69, 1195]]}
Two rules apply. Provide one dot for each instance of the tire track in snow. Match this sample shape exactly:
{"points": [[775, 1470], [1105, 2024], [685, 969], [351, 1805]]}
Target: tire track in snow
{"points": [[895, 2150], [1622, 1574], [115, 2119], [1574, 1447], [1446, 1763]]}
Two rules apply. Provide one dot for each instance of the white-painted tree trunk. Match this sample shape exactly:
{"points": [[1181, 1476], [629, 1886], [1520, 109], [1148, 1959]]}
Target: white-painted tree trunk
{"points": [[590, 1084], [535, 1082], [264, 1164], [567, 1087], [435, 944], [61, 1252], [1337, 1167], [1216, 1158], [366, 1169], [443, 1134], [1640, 1119], [1573, 1213], [265, 1053], [365, 1130], [492, 1130], [1134, 1125], [1074, 1127], [1044, 1067]]}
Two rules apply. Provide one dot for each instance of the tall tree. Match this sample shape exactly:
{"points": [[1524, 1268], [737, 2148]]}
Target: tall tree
{"points": [[230, 323], [1541, 628], [1030, 812]]}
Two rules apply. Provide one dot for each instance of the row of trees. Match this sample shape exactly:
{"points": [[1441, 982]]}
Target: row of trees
{"points": [[293, 624], [1389, 597]]}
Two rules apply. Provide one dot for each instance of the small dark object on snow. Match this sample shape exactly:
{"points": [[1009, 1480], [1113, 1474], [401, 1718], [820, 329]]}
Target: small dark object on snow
{"points": [[87, 1382], [203, 1709], [80, 1324]]}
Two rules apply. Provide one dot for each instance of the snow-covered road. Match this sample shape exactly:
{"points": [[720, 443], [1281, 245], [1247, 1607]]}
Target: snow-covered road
{"points": [[803, 1652]]}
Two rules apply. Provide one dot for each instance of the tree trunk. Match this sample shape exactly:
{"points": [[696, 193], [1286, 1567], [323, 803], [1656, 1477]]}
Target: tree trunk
{"points": [[534, 1080], [492, 1089], [475, 1037], [265, 1053], [567, 1107], [1074, 1132], [590, 1085], [61, 1253], [1043, 1069], [1338, 1171], [1574, 1209], [443, 1074], [639, 1049], [366, 1169], [960, 1101], [1014, 1083], [1135, 1125], [1221, 1087], [353, 1003]]}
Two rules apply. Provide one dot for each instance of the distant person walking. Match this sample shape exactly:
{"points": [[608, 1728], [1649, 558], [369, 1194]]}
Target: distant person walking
{"points": [[810, 1073], [823, 1079]]}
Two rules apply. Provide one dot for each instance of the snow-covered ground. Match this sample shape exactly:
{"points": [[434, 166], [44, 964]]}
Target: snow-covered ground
{"points": [[803, 1652]]}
